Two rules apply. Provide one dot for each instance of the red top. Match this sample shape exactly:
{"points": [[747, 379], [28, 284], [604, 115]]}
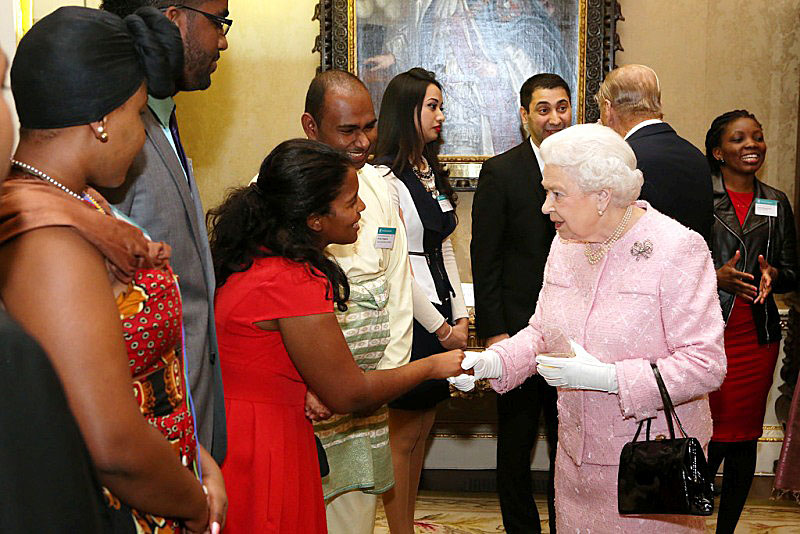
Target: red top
{"points": [[271, 470], [741, 204]]}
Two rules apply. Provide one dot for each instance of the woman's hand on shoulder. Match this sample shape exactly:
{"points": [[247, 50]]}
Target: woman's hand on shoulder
{"points": [[735, 282]]}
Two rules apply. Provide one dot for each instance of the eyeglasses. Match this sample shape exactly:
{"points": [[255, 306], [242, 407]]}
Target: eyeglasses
{"points": [[223, 24]]}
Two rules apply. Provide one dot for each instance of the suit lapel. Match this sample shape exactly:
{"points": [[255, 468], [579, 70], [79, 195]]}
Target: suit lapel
{"points": [[753, 221], [534, 174], [723, 207], [173, 165]]}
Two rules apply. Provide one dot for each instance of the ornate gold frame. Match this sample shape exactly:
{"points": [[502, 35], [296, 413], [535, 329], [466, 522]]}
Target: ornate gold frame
{"points": [[337, 43]]}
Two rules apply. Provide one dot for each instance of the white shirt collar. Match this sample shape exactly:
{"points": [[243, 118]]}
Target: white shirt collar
{"points": [[641, 125], [537, 154]]}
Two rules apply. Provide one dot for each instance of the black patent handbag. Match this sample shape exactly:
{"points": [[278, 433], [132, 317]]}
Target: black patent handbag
{"points": [[664, 476]]}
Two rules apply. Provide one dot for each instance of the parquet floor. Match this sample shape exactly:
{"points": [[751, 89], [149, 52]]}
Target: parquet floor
{"points": [[477, 513]]}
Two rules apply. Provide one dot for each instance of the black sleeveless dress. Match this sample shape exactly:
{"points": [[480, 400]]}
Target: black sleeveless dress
{"points": [[438, 225]]}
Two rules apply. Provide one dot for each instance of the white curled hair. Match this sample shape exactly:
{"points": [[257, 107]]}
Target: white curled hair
{"points": [[597, 158]]}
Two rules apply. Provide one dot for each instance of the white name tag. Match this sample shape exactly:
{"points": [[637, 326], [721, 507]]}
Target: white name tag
{"points": [[444, 203], [385, 237], [766, 207]]}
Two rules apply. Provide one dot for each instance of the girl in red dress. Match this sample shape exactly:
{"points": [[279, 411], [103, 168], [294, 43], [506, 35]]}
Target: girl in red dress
{"points": [[755, 256], [277, 334]]}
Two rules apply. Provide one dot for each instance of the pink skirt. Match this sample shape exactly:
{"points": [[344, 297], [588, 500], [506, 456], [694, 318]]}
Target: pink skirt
{"points": [[586, 503]]}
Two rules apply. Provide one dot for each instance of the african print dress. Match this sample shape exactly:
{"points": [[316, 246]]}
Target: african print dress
{"points": [[149, 308], [150, 311]]}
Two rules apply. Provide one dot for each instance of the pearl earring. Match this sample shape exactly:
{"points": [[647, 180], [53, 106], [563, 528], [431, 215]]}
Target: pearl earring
{"points": [[102, 134]]}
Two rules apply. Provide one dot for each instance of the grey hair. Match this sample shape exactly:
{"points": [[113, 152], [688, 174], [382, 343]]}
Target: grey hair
{"points": [[633, 90], [599, 159]]}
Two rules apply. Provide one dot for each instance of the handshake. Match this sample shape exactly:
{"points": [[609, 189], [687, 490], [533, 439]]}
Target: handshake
{"points": [[582, 371], [484, 364]]}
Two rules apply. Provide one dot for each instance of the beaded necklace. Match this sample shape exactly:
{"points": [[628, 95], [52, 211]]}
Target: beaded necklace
{"points": [[594, 252], [427, 179], [33, 171]]}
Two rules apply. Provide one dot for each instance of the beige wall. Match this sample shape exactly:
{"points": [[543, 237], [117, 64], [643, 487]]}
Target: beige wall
{"points": [[713, 56], [43, 7], [256, 96]]}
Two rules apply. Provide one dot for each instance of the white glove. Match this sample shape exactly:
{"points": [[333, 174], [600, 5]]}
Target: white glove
{"points": [[485, 364], [463, 382], [583, 371]]}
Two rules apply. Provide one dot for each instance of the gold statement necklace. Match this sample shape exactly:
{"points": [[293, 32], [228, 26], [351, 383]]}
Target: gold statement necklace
{"points": [[427, 178]]}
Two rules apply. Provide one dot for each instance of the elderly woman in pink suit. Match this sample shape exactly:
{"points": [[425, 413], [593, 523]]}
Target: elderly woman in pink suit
{"points": [[627, 286]]}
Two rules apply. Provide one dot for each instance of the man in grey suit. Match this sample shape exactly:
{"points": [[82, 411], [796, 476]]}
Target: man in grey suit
{"points": [[161, 196]]}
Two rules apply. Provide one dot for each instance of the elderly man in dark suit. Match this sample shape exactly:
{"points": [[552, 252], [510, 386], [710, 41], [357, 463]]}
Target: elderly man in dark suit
{"points": [[677, 180], [161, 196], [510, 241]]}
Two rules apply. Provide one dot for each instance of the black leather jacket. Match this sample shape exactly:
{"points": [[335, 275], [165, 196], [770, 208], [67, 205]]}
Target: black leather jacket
{"points": [[772, 237]]}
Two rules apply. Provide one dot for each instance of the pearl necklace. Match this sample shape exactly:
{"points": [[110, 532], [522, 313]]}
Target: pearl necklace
{"points": [[30, 169], [594, 252]]}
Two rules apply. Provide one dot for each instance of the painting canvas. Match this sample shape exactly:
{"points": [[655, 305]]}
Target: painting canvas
{"points": [[480, 50]]}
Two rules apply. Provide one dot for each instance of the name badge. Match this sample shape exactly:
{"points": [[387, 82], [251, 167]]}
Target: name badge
{"points": [[385, 237], [766, 207], [444, 203]]}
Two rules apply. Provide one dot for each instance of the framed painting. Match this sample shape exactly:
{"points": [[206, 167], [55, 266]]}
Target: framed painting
{"points": [[481, 51]]}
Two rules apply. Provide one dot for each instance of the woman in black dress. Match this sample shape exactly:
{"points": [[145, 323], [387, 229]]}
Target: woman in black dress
{"points": [[409, 138]]}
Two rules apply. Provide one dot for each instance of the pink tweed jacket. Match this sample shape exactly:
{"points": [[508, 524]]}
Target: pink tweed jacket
{"points": [[632, 308]]}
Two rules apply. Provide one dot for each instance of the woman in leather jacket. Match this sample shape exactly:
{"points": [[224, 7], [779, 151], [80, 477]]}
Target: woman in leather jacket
{"points": [[754, 251]]}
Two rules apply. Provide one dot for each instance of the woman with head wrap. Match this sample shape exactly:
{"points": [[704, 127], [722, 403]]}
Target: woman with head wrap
{"points": [[95, 292], [44, 488]]}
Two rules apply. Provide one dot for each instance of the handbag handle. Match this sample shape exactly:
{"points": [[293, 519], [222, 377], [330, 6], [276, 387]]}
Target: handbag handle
{"points": [[669, 409]]}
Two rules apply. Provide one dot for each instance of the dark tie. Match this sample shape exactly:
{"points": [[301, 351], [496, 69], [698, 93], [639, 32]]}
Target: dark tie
{"points": [[176, 138]]}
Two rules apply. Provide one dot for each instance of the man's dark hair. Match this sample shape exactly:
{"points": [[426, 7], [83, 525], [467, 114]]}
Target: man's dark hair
{"points": [[541, 81], [324, 81], [123, 8]]}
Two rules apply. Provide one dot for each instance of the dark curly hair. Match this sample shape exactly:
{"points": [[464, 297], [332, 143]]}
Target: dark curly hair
{"points": [[398, 136], [297, 179], [717, 128]]}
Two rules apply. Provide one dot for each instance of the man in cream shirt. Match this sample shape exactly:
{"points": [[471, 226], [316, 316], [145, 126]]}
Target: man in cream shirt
{"points": [[378, 322]]}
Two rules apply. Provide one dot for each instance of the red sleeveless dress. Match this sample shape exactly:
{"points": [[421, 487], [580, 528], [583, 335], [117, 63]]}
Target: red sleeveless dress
{"points": [[271, 469]]}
